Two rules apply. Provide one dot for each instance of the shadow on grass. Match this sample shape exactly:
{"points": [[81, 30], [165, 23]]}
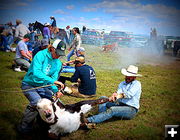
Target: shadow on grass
{"points": [[9, 121], [11, 118]]}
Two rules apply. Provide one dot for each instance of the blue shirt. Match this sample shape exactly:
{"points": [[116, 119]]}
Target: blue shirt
{"points": [[88, 79], [53, 23], [21, 46], [132, 93], [44, 70]]}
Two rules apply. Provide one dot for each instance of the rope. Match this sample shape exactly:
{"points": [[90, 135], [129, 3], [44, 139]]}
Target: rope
{"points": [[29, 89]]}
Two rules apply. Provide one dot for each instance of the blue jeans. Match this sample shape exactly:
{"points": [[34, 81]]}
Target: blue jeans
{"points": [[110, 109], [36, 94], [68, 69], [71, 53], [6, 42], [32, 36]]}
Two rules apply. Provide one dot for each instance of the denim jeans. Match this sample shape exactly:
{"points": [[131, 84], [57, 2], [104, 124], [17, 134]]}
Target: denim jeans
{"points": [[112, 109], [32, 36], [71, 53], [5, 43], [68, 69], [36, 94], [10, 40]]}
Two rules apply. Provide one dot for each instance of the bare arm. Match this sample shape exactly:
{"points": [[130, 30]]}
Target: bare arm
{"points": [[69, 62], [26, 55]]}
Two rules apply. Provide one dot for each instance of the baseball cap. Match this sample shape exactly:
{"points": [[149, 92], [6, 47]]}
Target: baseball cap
{"points": [[80, 59], [27, 36], [60, 47], [44, 42], [81, 49]]}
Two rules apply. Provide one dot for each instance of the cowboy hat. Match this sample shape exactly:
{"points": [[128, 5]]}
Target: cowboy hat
{"points": [[130, 71], [47, 24]]}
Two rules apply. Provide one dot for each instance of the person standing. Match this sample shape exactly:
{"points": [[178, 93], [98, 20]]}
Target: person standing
{"points": [[20, 31], [44, 71], [46, 31], [76, 43], [67, 37]]}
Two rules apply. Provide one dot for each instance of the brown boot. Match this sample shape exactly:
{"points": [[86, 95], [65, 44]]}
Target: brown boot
{"points": [[85, 124]]}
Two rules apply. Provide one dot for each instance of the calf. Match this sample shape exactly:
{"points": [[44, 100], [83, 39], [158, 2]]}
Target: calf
{"points": [[65, 118]]}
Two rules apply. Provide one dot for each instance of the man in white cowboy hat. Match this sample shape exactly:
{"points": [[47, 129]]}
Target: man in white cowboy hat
{"points": [[46, 31], [124, 103]]}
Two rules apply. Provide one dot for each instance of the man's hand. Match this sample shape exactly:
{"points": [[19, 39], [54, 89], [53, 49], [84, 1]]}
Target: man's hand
{"points": [[79, 81], [113, 97], [59, 84], [64, 64]]}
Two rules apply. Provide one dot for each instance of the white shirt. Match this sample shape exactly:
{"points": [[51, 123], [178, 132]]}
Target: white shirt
{"points": [[76, 43]]}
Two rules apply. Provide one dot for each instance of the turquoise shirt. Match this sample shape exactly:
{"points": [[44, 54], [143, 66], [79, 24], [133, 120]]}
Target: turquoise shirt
{"points": [[132, 93], [44, 70]]}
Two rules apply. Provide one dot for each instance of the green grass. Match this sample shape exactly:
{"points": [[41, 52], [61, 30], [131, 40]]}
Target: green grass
{"points": [[160, 102]]}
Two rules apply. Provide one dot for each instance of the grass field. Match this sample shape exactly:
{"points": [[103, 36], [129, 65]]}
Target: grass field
{"points": [[160, 100]]}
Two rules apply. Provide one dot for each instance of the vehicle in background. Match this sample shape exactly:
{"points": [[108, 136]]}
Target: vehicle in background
{"points": [[138, 41], [92, 37], [172, 43], [121, 38]]}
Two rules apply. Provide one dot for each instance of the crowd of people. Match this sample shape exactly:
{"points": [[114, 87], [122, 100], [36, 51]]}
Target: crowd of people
{"points": [[44, 67]]}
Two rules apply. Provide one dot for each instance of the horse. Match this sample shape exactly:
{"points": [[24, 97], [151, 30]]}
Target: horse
{"points": [[58, 32], [38, 25], [61, 34]]}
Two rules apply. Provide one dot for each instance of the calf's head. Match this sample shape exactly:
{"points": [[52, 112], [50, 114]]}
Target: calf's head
{"points": [[45, 109]]}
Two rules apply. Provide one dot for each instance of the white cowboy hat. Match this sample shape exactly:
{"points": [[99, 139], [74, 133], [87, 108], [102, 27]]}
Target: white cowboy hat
{"points": [[130, 71], [47, 24]]}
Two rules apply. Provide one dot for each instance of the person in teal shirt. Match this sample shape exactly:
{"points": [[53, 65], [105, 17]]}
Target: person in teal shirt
{"points": [[44, 70]]}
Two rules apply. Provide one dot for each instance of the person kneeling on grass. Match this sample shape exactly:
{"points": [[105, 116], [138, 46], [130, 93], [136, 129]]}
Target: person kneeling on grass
{"points": [[123, 104], [23, 56], [44, 70], [86, 78]]}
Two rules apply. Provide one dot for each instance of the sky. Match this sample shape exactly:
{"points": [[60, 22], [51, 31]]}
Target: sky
{"points": [[136, 16]]}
